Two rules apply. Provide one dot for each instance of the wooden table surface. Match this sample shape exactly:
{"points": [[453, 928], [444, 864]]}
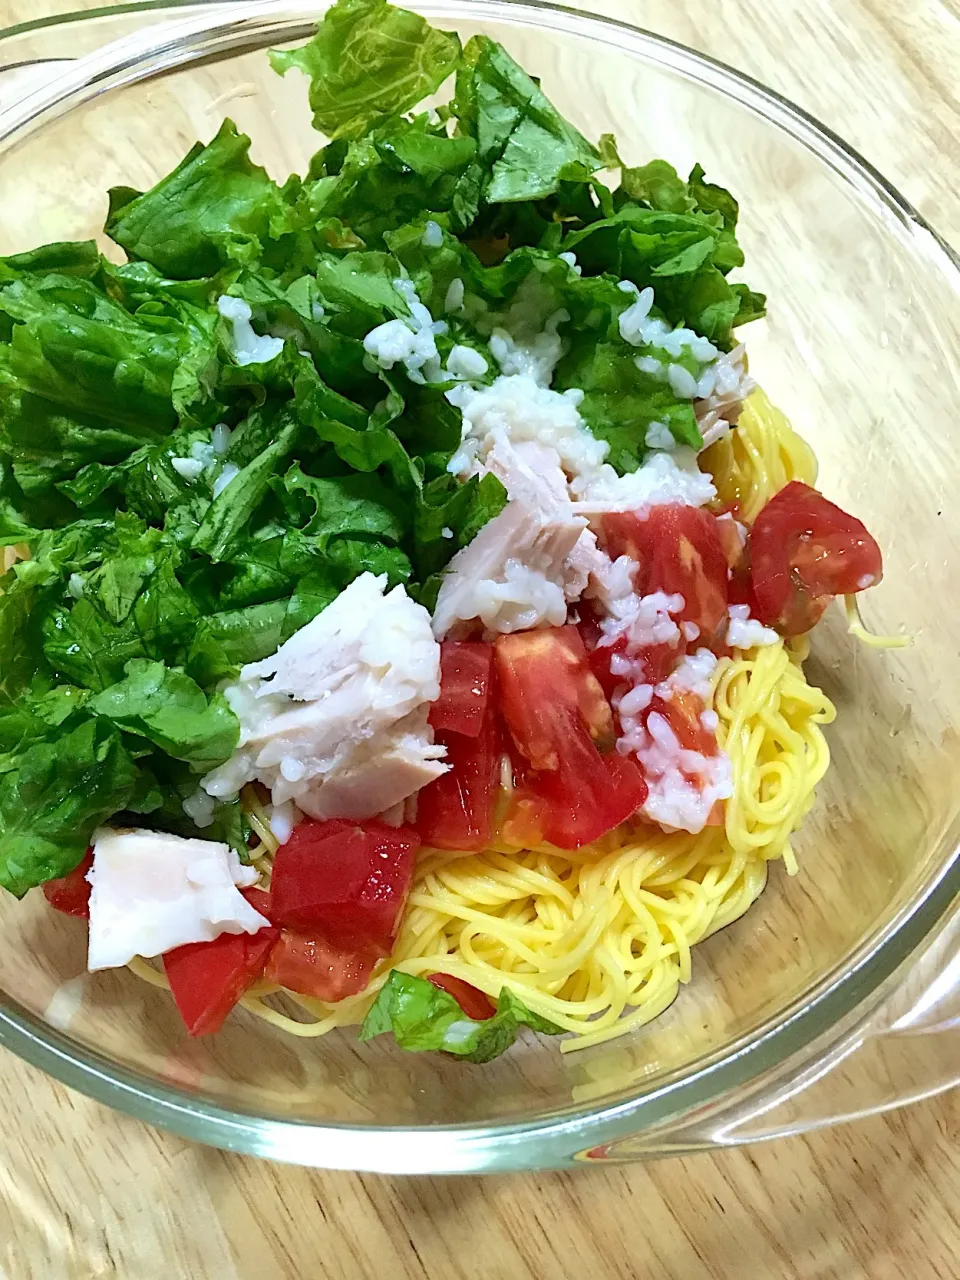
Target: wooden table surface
{"points": [[85, 1192]]}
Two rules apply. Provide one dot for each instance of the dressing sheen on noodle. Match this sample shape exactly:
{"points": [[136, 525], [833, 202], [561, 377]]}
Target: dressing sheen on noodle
{"points": [[599, 940]]}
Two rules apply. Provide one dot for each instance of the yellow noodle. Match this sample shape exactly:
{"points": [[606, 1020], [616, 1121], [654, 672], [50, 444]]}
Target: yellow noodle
{"points": [[751, 464], [856, 628], [600, 939]]}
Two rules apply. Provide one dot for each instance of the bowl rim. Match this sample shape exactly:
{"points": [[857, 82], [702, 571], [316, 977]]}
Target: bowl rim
{"points": [[561, 1136]]}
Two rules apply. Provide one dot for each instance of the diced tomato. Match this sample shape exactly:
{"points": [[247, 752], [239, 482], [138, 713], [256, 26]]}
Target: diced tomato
{"points": [[456, 810], [559, 721], [598, 656], [654, 663], [259, 899], [465, 677], [549, 694], [348, 880], [307, 963], [584, 805], [716, 816], [571, 811], [682, 712], [599, 660], [71, 893], [679, 551], [208, 978], [522, 826], [475, 1004], [741, 584], [804, 551]]}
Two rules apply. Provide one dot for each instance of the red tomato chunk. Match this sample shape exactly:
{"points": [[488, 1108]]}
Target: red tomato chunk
{"points": [[348, 881], [208, 978], [308, 964], [456, 810], [475, 1004], [466, 671], [680, 551], [577, 807], [71, 893], [549, 692], [559, 720], [804, 551]]}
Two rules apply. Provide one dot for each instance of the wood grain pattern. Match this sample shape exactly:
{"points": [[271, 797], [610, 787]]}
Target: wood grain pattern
{"points": [[88, 1193]]}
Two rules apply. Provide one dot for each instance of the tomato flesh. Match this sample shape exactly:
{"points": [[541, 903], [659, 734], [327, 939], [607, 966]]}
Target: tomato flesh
{"points": [[71, 893], [804, 550], [682, 712], [475, 1004], [456, 810], [578, 808], [465, 677], [310, 965], [548, 693], [679, 550], [348, 881], [653, 663], [572, 810], [559, 721], [208, 978]]}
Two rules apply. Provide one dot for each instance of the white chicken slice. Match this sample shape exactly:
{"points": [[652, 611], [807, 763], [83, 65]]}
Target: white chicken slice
{"points": [[382, 773], [514, 575], [151, 892], [353, 686]]}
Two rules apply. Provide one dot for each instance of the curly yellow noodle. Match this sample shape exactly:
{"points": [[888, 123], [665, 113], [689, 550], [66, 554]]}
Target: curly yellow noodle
{"points": [[751, 464], [599, 940]]}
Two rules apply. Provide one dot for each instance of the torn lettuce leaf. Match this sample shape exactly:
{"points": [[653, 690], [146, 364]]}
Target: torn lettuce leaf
{"points": [[423, 1017], [57, 795], [367, 62], [170, 710], [215, 208], [523, 143]]}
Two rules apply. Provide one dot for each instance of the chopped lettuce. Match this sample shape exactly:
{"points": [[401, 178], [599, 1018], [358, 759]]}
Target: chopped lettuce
{"points": [[524, 145], [368, 62], [59, 793], [216, 207], [422, 1016], [189, 508], [170, 710]]}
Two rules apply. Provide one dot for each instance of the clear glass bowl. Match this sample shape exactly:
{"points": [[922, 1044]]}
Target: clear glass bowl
{"points": [[837, 993]]}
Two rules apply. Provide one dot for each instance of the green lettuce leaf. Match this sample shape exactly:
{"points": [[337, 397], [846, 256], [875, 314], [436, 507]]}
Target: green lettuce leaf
{"points": [[523, 142], [459, 509], [69, 257], [215, 208], [21, 651], [73, 347], [51, 804], [231, 510], [133, 606], [58, 553], [170, 710], [620, 402], [367, 61], [397, 174], [350, 504], [176, 782], [422, 1017]]}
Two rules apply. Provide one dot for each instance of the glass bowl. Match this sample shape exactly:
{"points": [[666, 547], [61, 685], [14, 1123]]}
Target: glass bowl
{"points": [[837, 993]]}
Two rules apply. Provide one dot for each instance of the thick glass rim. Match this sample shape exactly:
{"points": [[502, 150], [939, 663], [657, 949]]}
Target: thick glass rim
{"points": [[554, 1138]]}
